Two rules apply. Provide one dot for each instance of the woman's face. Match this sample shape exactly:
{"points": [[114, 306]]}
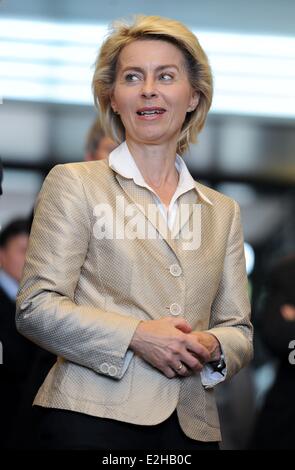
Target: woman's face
{"points": [[152, 92]]}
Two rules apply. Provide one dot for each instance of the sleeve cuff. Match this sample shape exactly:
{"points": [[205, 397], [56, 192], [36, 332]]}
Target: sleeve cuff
{"points": [[210, 376]]}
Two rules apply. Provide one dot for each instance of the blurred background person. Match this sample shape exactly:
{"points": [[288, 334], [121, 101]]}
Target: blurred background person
{"points": [[13, 244], [275, 424], [98, 144], [24, 363], [17, 350]]}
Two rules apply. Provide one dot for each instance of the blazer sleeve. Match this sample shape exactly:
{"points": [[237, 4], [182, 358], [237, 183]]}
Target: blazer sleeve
{"points": [[46, 310], [230, 313]]}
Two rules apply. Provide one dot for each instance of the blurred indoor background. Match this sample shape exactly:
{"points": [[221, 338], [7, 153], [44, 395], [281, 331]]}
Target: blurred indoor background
{"points": [[247, 149]]}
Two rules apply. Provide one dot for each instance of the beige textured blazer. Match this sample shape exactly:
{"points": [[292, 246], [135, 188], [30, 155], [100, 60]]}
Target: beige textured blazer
{"points": [[83, 294]]}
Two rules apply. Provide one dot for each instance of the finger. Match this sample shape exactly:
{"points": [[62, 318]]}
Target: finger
{"points": [[191, 361], [193, 345], [183, 371], [182, 325], [169, 372]]}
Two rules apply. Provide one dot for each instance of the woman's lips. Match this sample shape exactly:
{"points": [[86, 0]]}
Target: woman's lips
{"points": [[150, 113]]}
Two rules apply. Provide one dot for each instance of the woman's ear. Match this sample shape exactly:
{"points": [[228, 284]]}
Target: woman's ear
{"points": [[113, 104], [193, 101]]}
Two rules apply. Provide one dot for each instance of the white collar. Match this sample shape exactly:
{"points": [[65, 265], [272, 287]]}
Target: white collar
{"points": [[122, 162]]}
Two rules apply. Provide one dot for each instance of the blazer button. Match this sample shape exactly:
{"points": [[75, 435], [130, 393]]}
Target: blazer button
{"points": [[104, 368], [175, 270], [175, 309], [113, 371]]}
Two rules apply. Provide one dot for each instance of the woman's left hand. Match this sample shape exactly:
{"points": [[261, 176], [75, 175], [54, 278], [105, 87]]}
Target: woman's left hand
{"points": [[210, 342]]}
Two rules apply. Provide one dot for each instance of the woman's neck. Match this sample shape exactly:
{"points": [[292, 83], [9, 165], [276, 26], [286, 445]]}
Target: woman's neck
{"points": [[156, 164]]}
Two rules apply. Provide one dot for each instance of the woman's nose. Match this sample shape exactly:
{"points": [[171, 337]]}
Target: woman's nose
{"points": [[149, 88]]}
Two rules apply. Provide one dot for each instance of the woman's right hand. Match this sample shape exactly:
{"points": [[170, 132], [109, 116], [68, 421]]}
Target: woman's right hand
{"points": [[166, 344]]}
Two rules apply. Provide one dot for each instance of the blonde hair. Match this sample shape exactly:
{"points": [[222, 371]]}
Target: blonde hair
{"points": [[158, 28]]}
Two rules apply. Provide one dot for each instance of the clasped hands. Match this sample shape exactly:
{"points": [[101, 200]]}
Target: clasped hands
{"points": [[170, 345]]}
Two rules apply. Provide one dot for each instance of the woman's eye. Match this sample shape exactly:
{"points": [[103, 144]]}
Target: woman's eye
{"points": [[131, 77], [166, 76]]}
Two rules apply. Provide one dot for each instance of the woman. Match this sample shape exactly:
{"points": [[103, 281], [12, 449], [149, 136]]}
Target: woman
{"points": [[135, 275]]}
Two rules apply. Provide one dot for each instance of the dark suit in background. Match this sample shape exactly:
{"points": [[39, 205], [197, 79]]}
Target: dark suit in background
{"points": [[22, 372], [22, 362], [275, 424], [17, 358]]}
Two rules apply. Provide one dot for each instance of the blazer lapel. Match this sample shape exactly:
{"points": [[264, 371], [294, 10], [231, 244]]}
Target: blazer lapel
{"points": [[188, 212], [187, 204], [145, 203]]}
